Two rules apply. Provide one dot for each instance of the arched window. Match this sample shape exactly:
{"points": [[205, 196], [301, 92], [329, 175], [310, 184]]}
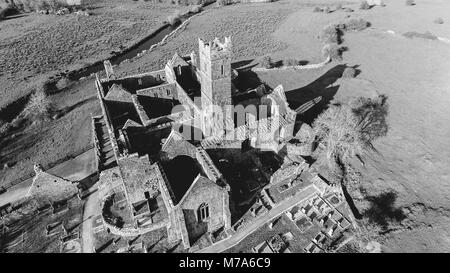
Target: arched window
{"points": [[203, 212]]}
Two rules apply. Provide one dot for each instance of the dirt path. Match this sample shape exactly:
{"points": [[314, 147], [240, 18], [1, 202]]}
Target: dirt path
{"points": [[90, 209], [247, 230]]}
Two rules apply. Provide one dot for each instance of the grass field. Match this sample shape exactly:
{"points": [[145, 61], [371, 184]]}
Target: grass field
{"points": [[35, 46], [411, 162]]}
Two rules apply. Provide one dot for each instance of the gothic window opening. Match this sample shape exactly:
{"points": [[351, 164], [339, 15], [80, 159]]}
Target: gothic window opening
{"points": [[221, 70], [203, 212]]}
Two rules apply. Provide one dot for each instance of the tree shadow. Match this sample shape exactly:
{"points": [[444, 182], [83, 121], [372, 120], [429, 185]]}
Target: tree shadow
{"points": [[318, 88], [382, 211], [10, 13], [67, 109], [132, 241], [277, 63], [15, 16], [303, 62]]}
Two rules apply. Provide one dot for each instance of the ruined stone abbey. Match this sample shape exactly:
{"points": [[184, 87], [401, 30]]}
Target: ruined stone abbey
{"points": [[165, 153]]}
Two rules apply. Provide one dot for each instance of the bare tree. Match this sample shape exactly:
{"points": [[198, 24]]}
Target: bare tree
{"points": [[348, 129], [336, 129], [372, 114], [39, 104]]}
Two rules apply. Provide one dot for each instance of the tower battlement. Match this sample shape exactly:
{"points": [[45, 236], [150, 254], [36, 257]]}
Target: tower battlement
{"points": [[215, 49]]}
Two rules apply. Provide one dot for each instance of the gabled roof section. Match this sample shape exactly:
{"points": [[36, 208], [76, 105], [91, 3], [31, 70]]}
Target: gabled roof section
{"points": [[118, 93], [176, 144], [178, 60], [131, 123], [199, 183], [279, 90], [279, 98]]}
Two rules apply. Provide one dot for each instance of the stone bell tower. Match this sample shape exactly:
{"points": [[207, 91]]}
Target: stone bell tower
{"points": [[215, 76]]}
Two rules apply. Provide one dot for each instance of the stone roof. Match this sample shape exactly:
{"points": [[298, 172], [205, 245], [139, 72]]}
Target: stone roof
{"points": [[118, 93], [52, 187], [139, 176], [305, 134], [176, 144], [131, 123], [177, 60], [198, 185]]}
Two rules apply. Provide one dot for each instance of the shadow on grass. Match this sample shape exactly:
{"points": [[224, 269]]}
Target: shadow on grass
{"points": [[382, 210], [319, 87]]}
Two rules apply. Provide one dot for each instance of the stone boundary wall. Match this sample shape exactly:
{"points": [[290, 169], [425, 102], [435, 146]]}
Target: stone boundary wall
{"points": [[256, 1], [441, 39], [294, 67], [159, 75], [127, 231], [130, 231], [96, 142], [175, 31]]}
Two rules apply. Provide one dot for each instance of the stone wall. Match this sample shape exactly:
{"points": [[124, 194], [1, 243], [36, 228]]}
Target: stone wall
{"points": [[139, 81], [207, 165], [131, 231], [174, 227], [217, 200], [294, 67], [145, 120], [256, 1], [186, 100], [166, 91], [108, 121]]}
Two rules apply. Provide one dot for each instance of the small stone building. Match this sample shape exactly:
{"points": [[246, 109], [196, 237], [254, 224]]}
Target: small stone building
{"points": [[51, 187]]}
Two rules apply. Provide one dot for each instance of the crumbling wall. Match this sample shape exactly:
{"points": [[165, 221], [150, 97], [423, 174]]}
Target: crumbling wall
{"points": [[166, 91], [140, 81]]}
